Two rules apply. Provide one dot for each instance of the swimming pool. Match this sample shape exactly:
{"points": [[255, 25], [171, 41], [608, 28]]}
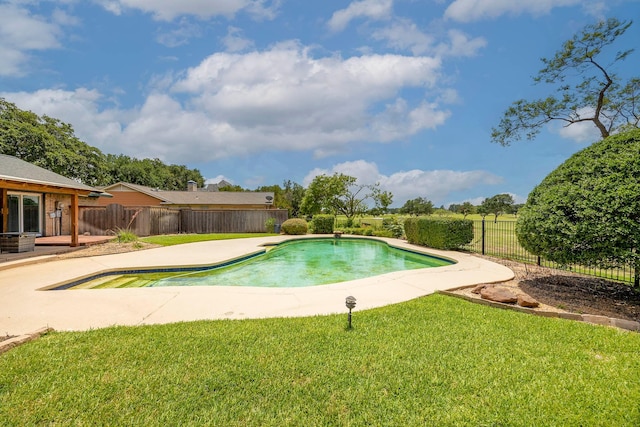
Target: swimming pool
{"points": [[295, 263]]}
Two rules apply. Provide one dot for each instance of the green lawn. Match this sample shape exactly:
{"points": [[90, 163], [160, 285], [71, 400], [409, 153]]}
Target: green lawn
{"points": [[436, 360], [178, 239]]}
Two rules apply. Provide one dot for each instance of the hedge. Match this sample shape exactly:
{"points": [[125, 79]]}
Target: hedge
{"points": [[439, 233], [295, 226], [323, 224]]}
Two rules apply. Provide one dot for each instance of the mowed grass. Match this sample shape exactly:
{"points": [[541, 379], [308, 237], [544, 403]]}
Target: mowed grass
{"points": [[178, 239], [436, 360]]}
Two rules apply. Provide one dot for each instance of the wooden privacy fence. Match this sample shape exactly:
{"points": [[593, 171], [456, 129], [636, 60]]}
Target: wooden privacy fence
{"points": [[152, 220]]}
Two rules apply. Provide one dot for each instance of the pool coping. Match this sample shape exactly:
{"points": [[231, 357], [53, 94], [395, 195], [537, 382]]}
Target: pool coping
{"points": [[24, 307], [70, 284]]}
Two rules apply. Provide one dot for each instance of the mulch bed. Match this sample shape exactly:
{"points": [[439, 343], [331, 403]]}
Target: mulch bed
{"points": [[573, 292]]}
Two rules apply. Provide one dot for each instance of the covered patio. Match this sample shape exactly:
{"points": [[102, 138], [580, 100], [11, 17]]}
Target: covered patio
{"points": [[39, 202], [49, 246]]}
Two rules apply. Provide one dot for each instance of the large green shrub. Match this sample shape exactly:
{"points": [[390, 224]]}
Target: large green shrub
{"points": [[269, 225], [323, 224], [393, 226], [587, 211], [439, 233], [295, 226]]}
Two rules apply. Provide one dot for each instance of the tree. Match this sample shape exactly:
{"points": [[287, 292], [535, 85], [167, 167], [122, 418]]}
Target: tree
{"points": [[288, 197], [515, 209], [382, 202], [599, 97], [417, 206], [497, 205], [293, 194], [232, 188], [464, 209], [150, 172], [339, 194], [50, 144], [587, 211], [467, 209]]}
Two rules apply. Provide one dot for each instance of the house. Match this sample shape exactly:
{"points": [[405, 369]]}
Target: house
{"points": [[127, 194], [215, 187], [36, 200]]}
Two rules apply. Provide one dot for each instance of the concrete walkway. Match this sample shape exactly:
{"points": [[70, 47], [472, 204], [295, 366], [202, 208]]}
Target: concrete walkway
{"points": [[25, 307]]}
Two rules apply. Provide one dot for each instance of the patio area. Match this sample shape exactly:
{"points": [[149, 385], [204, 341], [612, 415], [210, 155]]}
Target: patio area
{"points": [[49, 246]]}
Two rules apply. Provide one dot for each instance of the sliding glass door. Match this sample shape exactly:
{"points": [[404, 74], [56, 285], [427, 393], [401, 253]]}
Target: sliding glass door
{"points": [[24, 213]]}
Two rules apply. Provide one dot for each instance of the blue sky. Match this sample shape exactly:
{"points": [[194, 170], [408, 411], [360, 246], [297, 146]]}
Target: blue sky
{"points": [[400, 92]]}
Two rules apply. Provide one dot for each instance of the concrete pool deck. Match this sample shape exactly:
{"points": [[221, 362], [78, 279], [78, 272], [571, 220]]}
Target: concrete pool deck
{"points": [[25, 307]]}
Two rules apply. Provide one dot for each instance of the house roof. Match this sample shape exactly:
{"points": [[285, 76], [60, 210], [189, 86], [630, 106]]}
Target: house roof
{"points": [[215, 197], [199, 197], [15, 169]]}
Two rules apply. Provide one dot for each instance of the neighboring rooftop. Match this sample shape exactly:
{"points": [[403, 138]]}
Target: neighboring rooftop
{"points": [[184, 197]]}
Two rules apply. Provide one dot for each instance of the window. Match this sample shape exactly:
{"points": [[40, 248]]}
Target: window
{"points": [[24, 213]]}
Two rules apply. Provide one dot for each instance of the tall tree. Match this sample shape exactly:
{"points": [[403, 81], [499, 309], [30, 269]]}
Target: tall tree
{"points": [[598, 95], [467, 208], [383, 201], [293, 194], [150, 172], [50, 144], [417, 206], [279, 200], [339, 194], [497, 205], [232, 188]]}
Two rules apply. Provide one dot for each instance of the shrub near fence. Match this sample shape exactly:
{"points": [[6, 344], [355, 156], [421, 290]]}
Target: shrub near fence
{"points": [[153, 221], [498, 238], [438, 233], [323, 224]]}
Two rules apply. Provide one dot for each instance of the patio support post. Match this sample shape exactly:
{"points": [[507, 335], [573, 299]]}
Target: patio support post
{"points": [[74, 220], [5, 210]]}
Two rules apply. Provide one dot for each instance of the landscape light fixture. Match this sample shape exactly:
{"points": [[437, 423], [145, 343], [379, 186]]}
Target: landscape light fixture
{"points": [[351, 303]]}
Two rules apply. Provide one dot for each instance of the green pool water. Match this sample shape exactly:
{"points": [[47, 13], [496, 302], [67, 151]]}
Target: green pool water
{"points": [[298, 263]]}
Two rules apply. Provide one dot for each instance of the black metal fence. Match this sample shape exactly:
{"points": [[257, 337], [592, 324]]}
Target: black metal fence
{"points": [[498, 238]]}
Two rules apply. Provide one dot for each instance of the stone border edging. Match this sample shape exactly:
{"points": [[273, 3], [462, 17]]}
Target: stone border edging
{"points": [[628, 325], [7, 345]]}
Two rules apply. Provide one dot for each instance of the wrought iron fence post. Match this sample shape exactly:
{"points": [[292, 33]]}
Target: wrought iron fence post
{"points": [[483, 236]]}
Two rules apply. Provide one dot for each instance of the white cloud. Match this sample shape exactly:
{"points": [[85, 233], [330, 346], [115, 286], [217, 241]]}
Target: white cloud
{"points": [[476, 10], [80, 109], [371, 9], [168, 10], [366, 172], [180, 35], [398, 120], [579, 132], [285, 99], [282, 99], [22, 32], [459, 44], [404, 34], [436, 185], [235, 42]]}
